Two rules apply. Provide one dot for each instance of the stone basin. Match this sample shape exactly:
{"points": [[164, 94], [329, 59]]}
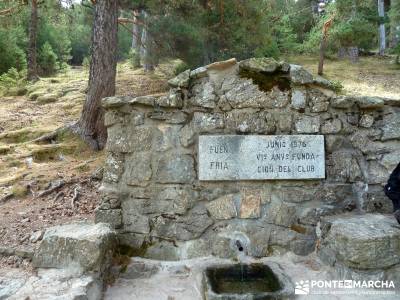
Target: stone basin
{"points": [[246, 282]]}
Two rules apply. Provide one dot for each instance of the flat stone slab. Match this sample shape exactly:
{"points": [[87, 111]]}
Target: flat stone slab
{"points": [[82, 246], [260, 157], [370, 241]]}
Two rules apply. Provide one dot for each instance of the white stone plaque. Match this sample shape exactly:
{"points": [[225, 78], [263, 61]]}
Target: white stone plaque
{"points": [[259, 157]]}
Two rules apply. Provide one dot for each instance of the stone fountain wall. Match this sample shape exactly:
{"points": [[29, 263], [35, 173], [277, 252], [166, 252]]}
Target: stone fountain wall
{"points": [[151, 192]]}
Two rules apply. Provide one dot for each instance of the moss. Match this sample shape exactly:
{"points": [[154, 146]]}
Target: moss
{"points": [[51, 152], [5, 150], [19, 190], [21, 135]]}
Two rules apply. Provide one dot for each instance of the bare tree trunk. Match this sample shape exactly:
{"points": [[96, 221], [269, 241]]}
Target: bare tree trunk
{"points": [[322, 56], [102, 73], [382, 34], [148, 53], [137, 36], [33, 23]]}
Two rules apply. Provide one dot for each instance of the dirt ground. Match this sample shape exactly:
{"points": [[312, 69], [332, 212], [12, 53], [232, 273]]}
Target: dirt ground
{"points": [[28, 168], [66, 167]]}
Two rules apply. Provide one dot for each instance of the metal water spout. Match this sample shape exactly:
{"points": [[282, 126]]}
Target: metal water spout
{"points": [[239, 243]]}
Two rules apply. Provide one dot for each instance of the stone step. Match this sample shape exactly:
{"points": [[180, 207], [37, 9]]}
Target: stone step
{"points": [[362, 242]]}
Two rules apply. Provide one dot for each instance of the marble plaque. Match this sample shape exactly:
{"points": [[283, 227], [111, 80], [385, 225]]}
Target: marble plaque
{"points": [[260, 157]]}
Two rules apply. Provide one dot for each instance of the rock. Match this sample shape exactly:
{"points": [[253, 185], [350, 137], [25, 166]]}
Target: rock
{"points": [[250, 205], [173, 99], [318, 101], [331, 126], [299, 99], [391, 126], [113, 102], [198, 73], [366, 121], [163, 250], [248, 121], [377, 173], [183, 228], [375, 201], [110, 216], [175, 168], [181, 80], [221, 65], [262, 64], [196, 248], [321, 81], [299, 75], [222, 208], [342, 166], [369, 102], [281, 213], [206, 122], [363, 102], [369, 241], [138, 170], [47, 98], [10, 286], [36, 236], [132, 219], [307, 124], [284, 122], [139, 269], [59, 285], [203, 94], [342, 102], [113, 167], [81, 245], [242, 93], [136, 241], [123, 140]]}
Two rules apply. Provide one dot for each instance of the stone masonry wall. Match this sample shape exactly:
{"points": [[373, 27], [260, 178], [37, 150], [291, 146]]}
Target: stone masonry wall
{"points": [[151, 193]]}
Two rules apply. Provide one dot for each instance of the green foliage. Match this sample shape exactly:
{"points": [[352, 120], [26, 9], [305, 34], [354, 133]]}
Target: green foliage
{"points": [[134, 58], [86, 63], [337, 86], [47, 60], [12, 81], [354, 25], [12, 55], [181, 67]]}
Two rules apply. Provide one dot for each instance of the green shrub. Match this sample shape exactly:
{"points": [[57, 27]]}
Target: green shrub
{"points": [[134, 58], [181, 67], [86, 63], [47, 60], [13, 82]]}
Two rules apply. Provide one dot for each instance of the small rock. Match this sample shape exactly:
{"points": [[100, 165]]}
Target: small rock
{"points": [[262, 64], [300, 75], [182, 80], [36, 236]]}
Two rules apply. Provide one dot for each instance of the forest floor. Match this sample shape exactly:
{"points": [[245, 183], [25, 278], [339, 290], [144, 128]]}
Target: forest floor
{"points": [[67, 167]]}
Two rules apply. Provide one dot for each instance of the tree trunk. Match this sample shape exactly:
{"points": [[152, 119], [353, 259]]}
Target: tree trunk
{"points": [[148, 53], [382, 34], [137, 37], [102, 73], [322, 56], [33, 24]]}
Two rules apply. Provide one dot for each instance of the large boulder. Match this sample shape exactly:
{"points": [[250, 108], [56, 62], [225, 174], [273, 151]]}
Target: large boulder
{"points": [[82, 246], [370, 241]]}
